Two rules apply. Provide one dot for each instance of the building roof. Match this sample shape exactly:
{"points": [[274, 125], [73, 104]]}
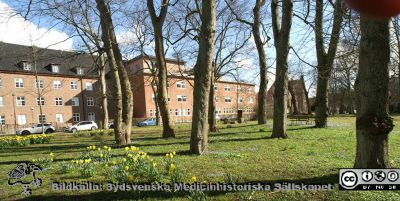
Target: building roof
{"points": [[12, 55], [151, 57]]}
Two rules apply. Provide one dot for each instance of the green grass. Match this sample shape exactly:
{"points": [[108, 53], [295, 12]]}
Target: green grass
{"points": [[244, 152]]}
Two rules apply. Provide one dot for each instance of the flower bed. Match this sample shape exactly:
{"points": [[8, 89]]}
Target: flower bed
{"points": [[10, 141]]}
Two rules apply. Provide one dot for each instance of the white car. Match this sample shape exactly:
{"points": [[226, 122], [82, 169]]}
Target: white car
{"points": [[47, 128], [82, 126]]}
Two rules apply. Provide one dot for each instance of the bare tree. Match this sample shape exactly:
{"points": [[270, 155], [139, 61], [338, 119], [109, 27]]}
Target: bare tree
{"points": [[202, 82], [124, 105], [162, 94], [373, 123], [281, 38], [325, 59], [255, 27]]}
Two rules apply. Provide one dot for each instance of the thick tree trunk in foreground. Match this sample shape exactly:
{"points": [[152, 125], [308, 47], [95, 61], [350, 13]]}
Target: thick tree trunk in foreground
{"points": [[103, 83], [123, 120], [262, 94], [162, 91], [325, 59], [212, 121], [202, 73], [281, 38], [373, 121]]}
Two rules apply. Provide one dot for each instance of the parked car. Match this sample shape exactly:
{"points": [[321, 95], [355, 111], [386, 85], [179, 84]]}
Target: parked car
{"points": [[82, 126], [47, 128], [147, 122], [111, 125]]}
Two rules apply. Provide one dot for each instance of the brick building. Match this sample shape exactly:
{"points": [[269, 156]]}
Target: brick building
{"points": [[296, 100], [66, 81], [230, 96]]}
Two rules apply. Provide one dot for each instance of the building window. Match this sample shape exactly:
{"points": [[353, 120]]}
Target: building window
{"points": [[59, 101], [76, 117], [188, 112], [79, 71], [227, 88], [2, 120], [27, 66], [176, 112], [89, 86], [91, 116], [239, 88], [57, 84], [240, 100], [19, 83], [215, 87], [150, 112], [1, 101], [216, 99], [39, 84], [75, 101], [40, 101], [55, 68], [228, 99], [74, 85], [153, 98], [21, 119], [90, 101], [181, 84], [250, 89], [1, 82], [42, 118], [59, 118], [182, 98], [20, 101], [184, 112], [250, 100]]}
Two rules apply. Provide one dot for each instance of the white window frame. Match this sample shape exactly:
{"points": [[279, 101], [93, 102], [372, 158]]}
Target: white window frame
{"points": [[57, 84], [19, 83], [90, 101], [250, 100], [2, 119], [89, 86], [20, 101], [79, 71], [76, 117], [240, 100], [181, 98], [58, 101], [55, 68], [74, 85], [39, 84], [228, 98], [27, 66], [40, 101], [59, 118], [227, 88], [1, 82], [19, 119], [181, 84], [1, 101], [75, 101], [150, 112], [41, 118]]}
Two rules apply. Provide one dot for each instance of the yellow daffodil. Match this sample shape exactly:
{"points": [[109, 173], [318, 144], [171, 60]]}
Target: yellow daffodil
{"points": [[172, 168], [126, 168], [126, 148], [194, 178], [154, 164], [33, 160], [167, 155], [51, 154], [130, 177], [124, 160], [51, 159], [114, 162], [105, 147], [130, 155], [98, 149], [101, 155], [81, 161], [174, 153]]}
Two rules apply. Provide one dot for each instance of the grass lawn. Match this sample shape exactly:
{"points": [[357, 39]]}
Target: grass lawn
{"points": [[242, 151]]}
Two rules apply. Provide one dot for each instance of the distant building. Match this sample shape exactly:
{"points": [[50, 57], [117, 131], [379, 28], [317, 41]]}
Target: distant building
{"points": [[296, 100], [67, 83], [230, 96]]}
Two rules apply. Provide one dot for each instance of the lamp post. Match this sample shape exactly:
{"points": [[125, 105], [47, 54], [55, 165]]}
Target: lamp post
{"points": [[33, 119], [15, 115]]}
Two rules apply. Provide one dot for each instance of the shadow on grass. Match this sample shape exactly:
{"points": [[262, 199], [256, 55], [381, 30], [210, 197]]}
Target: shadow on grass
{"points": [[301, 128], [136, 195]]}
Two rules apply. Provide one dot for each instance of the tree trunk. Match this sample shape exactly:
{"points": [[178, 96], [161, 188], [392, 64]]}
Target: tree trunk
{"points": [[153, 83], [212, 121], [281, 38], [325, 59], [373, 123], [162, 91], [123, 122], [202, 73], [262, 94], [103, 83]]}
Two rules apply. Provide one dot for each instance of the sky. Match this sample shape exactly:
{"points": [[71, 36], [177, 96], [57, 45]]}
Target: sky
{"points": [[17, 30]]}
